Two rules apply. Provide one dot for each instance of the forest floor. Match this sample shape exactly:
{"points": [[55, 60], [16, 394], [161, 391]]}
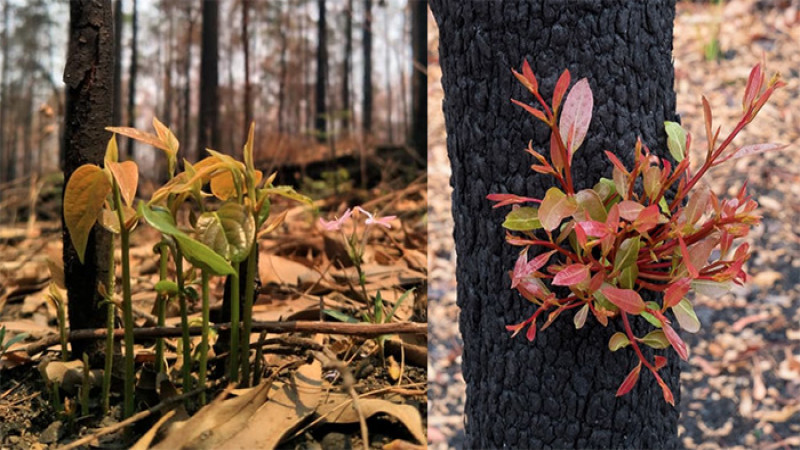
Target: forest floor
{"points": [[302, 269], [741, 385]]}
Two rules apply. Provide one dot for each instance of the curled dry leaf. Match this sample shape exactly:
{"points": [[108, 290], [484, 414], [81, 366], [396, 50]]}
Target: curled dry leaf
{"points": [[339, 409]]}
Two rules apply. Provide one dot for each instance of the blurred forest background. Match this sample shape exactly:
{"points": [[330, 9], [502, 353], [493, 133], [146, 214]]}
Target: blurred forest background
{"points": [[323, 80]]}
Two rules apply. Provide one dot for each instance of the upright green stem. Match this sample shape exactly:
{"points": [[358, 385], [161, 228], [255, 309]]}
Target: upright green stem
{"points": [[186, 370], [110, 314], [161, 306], [204, 341], [234, 362], [127, 306], [249, 294]]}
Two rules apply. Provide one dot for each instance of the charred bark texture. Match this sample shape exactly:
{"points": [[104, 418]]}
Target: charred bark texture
{"points": [[88, 77], [208, 132], [321, 112], [419, 79], [559, 391]]}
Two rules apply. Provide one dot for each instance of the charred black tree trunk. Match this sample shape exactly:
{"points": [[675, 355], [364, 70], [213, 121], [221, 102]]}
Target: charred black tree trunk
{"points": [[132, 78], [117, 105], [559, 391], [346, 66], [321, 112], [419, 79], [366, 122], [208, 132], [88, 77], [248, 95]]}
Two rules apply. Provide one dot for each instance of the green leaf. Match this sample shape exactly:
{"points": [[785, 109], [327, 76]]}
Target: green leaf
{"points": [[676, 140], [288, 192], [684, 313], [656, 339], [711, 288], [166, 287], [627, 278], [84, 196], [15, 339], [555, 207], [627, 253], [605, 188], [525, 218], [397, 304], [590, 201], [229, 231], [195, 252], [652, 319], [618, 340], [340, 316]]}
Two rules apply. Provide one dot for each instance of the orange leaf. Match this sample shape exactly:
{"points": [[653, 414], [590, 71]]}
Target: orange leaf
{"points": [[561, 87], [84, 196], [630, 381], [677, 342], [140, 136], [126, 175]]}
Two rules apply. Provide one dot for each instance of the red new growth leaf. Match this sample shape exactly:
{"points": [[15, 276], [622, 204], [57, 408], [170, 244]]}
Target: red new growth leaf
{"points": [[676, 291], [647, 219], [676, 341], [630, 381], [629, 210], [536, 113], [509, 199], [748, 150], [531, 334], [660, 362], [666, 391], [593, 228], [571, 275], [687, 259], [576, 115], [627, 300], [561, 88], [527, 78], [754, 83]]}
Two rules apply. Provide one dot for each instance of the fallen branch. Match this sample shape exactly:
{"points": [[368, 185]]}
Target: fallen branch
{"points": [[352, 329]]}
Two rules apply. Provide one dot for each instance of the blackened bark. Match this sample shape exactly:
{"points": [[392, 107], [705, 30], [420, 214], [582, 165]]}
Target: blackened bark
{"points": [[88, 76], [132, 78], [208, 131], [118, 24], [419, 79], [366, 122], [346, 65], [248, 100], [321, 112], [557, 392]]}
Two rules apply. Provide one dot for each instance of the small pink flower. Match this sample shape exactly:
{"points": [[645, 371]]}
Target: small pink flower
{"points": [[371, 220], [334, 225]]}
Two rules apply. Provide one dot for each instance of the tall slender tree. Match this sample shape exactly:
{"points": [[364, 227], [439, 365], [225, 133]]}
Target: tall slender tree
{"points": [[186, 104], [5, 172], [117, 102], [248, 94], [559, 390], [366, 122], [321, 112], [346, 66], [88, 76], [132, 71], [208, 130], [419, 79]]}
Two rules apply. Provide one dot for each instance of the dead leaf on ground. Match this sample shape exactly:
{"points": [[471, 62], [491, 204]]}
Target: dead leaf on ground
{"points": [[339, 409]]}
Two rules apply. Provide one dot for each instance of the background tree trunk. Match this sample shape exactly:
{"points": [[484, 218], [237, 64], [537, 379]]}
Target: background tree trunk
{"points": [[248, 100], [5, 172], [132, 78], [559, 390], [366, 123], [346, 65], [88, 76], [118, 24], [321, 112], [419, 79], [208, 132]]}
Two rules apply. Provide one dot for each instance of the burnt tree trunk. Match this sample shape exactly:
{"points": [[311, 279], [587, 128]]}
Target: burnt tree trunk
{"points": [[208, 128], [132, 78], [346, 66], [559, 391], [366, 122], [88, 77], [116, 119], [419, 79], [321, 112], [248, 95]]}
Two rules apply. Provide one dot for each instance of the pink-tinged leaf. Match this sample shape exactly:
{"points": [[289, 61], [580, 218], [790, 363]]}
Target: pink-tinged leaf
{"points": [[571, 275], [675, 292], [630, 210], [528, 73], [577, 114], [755, 149], [676, 341], [520, 269], [687, 260], [555, 207], [630, 381], [561, 88], [754, 83], [580, 316], [597, 281], [627, 300], [647, 219], [665, 390], [535, 112], [612, 220], [539, 261], [616, 162], [660, 362], [555, 153], [707, 117], [593, 228], [509, 199], [697, 205], [581, 237], [516, 328], [686, 317], [531, 334]]}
